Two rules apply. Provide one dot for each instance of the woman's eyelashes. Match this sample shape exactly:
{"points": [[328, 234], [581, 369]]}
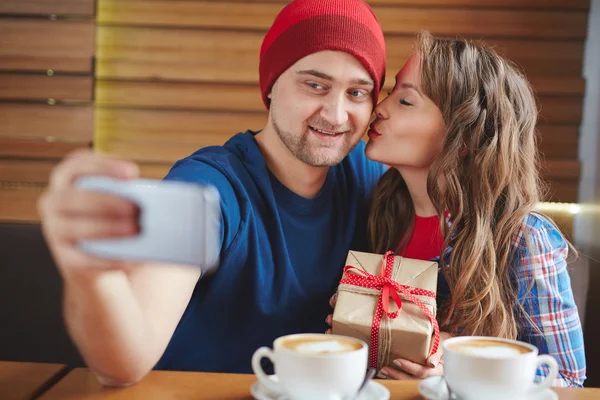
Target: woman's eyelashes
{"points": [[405, 103]]}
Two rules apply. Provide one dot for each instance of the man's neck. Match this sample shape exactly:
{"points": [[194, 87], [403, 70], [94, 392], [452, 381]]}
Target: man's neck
{"points": [[416, 181], [301, 178]]}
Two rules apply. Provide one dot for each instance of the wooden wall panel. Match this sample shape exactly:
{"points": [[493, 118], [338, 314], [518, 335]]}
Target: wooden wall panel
{"points": [[174, 76], [40, 121], [15, 86], [559, 141], [232, 56], [39, 45], [31, 148], [394, 20], [179, 95], [167, 135], [553, 93], [19, 204], [48, 7], [46, 95], [561, 110], [38, 171], [581, 5], [25, 171]]}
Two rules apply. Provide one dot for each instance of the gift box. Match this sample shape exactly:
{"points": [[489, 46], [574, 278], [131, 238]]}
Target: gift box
{"points": [[389, 302]]}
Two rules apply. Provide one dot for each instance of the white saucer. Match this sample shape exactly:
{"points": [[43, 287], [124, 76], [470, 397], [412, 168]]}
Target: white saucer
{"points": [[434, 388], [373, 391]]}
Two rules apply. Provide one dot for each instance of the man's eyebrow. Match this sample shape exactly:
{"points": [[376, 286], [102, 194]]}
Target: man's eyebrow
{"points": [[406, 85], [363, 82], [323, 75], [316, 73]]}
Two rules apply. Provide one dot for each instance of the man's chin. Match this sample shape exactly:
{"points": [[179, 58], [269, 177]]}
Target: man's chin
{"points": [[322, 160]]}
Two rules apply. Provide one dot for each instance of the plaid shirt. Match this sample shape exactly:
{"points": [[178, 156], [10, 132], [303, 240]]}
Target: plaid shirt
{"points": [[554, 325]]}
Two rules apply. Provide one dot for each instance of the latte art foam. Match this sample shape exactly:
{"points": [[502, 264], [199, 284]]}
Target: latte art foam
{"points": [[330, 346], [492, 352], [308, 345], [489, 348]]}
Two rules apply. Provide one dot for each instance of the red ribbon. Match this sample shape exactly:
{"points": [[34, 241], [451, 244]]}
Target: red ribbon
{"points": [[389, 288]]}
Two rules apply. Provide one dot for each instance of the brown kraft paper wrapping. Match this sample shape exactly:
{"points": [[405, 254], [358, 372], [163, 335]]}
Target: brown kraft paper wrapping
{"points": [[409, 336]]}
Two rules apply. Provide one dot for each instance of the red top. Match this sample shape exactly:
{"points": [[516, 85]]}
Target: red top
{"points": [[426, 241]]}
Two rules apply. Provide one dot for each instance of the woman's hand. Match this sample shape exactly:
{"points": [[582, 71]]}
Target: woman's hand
{"points": [[329, 319], [406, 369]]}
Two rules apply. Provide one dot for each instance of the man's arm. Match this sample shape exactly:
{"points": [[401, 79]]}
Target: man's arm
{"points": [[122, 321], [121, 316]]}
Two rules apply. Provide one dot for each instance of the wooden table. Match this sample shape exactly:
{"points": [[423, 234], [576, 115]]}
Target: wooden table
{"points": [[19, 380], [159, 385]]}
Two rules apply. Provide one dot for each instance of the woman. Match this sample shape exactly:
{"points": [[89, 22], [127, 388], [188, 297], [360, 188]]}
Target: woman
{"points": [[458, 132]]}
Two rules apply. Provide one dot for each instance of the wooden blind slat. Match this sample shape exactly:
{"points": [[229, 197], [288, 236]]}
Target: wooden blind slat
{"points": [[538, 4], [141, 133], [198, 95], [543, 85], [38, 171], [43, 44], [179, 132], [537, 58], [559, 141], [561, 110], [162, 151], [19, 205], [47, 7], [179, 95], [563, 192], [31, 148], [225, 56], [557, 85], [165, 136], [554, 109], [561, 169], [42, 87], [27, 171], [394, 19], [39, 121]]}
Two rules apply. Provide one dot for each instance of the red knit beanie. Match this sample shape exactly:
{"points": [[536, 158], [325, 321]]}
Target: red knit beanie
{"points": [[305, 27]]}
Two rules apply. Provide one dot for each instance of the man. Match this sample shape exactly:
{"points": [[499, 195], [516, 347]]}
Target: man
{"points": [[294, 201]]}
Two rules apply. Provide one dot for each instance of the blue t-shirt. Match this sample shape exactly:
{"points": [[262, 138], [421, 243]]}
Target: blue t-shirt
{"points": [[282, 255]]}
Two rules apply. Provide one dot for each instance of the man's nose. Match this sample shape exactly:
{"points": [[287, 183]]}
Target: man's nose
{"points": [[334, 111]]}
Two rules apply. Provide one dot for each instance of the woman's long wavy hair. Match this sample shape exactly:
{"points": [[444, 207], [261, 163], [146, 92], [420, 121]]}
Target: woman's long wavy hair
{"points": [[486, 176]]}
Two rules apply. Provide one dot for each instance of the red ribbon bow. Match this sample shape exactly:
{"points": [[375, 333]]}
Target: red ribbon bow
{"points": [[389, 288]]}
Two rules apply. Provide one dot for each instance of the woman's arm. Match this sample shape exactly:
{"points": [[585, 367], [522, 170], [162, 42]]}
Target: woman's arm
{"points": [[552, 321]]}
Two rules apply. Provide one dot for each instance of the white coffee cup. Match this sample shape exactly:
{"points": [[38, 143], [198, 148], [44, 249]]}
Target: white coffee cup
{"points": [[179, 222], [477, 367], [314, 366]]}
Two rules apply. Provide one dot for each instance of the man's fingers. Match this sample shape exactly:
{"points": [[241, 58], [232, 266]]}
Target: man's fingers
{"points": [[75, 202], [73, 230], [84, 163]]}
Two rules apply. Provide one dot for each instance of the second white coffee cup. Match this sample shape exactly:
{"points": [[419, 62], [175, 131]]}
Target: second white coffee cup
{"points": [[494, 369], [314, 366]]}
